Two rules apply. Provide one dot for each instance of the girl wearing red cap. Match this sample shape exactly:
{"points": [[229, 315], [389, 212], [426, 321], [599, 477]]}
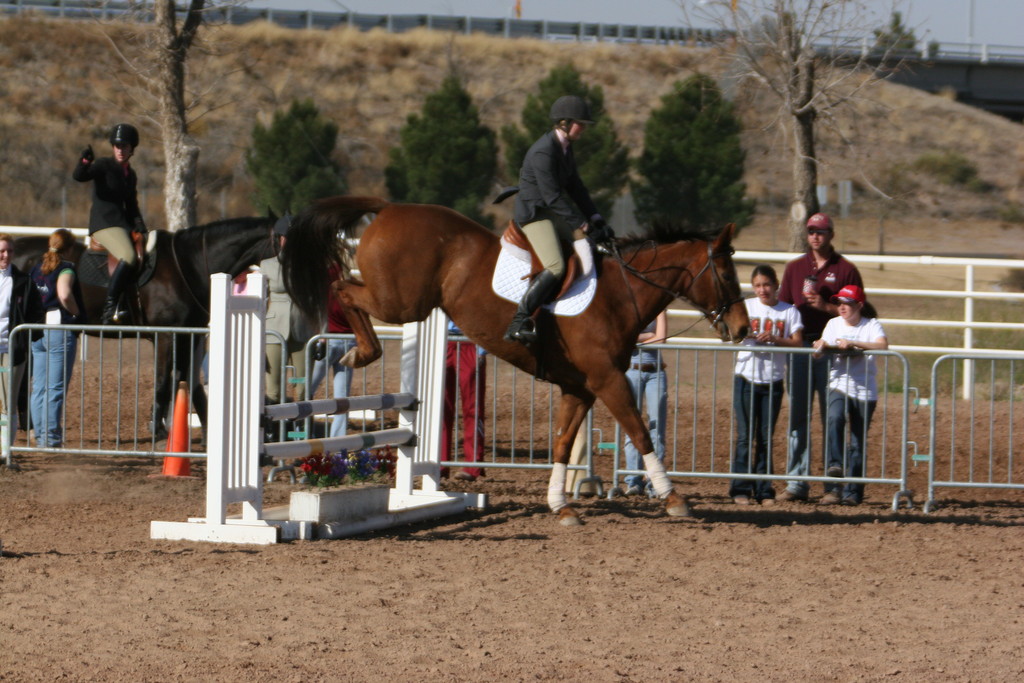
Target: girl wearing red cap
{"points": [[852, 390]]}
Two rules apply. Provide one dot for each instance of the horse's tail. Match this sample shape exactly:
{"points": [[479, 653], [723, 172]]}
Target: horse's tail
{"points": [[316, 244]]}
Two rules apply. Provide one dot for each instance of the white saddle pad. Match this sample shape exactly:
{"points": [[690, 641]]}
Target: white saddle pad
{"points": [[509, 281]]}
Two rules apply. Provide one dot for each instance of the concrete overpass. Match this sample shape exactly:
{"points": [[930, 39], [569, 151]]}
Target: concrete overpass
{"points": [[991, 79], [986, 76]]}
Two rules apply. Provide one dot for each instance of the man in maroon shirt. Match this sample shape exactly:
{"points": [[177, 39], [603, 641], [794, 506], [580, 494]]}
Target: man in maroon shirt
{"points": [[809, 283]]}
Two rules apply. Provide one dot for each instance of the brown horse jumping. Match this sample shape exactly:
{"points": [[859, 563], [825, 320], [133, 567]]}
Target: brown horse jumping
{"points": [[414, 258]]}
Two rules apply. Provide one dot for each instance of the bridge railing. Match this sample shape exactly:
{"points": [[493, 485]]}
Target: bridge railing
{"points": [[501, 26]]}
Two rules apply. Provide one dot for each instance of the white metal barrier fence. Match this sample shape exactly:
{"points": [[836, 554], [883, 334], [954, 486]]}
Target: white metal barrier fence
{"points": [[975, 444]]}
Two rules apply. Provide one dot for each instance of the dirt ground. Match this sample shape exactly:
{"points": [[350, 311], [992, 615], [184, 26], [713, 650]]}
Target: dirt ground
{"points": [[793, 592]]}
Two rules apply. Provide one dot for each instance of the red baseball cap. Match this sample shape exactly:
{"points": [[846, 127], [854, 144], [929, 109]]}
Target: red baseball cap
{"points": [[848, 295], [819, 221]]}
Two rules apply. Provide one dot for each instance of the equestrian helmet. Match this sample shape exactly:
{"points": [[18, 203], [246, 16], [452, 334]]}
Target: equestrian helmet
{"points": [[571, 107], [124, 134]]}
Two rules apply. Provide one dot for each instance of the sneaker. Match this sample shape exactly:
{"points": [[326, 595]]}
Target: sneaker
{"points": [[834, 471], [741, 500], [633, 490], [788, 496], [463, 476], [767, 502], [830, 498], [850, 500]]}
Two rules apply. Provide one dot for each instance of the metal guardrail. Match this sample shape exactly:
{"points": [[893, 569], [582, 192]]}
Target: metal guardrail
{"points": [[976, 444], [511, 28]]}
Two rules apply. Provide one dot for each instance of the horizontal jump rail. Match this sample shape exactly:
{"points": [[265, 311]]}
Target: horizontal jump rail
{"points": [[332, 406], [300, 449]]}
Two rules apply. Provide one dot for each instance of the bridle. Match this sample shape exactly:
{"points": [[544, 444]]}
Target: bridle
{"points": [[713, 316]]}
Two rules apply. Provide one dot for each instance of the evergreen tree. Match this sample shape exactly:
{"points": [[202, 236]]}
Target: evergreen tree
{"points": [[290, 160], [896, 36], [602, 161], [446, 156], [692, 163]]}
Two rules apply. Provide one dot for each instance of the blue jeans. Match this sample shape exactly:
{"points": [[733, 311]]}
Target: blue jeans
{"points": [[651, 387], [807, 376], [756, 407], [859, 412], [336, 349], [53, 357]]}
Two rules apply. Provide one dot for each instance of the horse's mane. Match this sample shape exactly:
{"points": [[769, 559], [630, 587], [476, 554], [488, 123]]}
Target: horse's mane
{"points": [[197, 238], [659, 232], [226, 226]]}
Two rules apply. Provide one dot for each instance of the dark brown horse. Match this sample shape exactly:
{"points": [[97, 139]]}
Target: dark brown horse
{"points": [[414, 258], [176, 294]]}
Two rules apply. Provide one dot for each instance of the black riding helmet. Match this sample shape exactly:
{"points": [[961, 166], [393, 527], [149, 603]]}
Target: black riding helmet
{"points": [[124, 134], [571, 107]]}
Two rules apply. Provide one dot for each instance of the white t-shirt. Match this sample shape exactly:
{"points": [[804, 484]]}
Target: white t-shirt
{"points": [[853, 375], [6, 290], [762, 367]]}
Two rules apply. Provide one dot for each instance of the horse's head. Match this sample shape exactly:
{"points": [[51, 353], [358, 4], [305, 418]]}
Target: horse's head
{"points": [[716, 289]]}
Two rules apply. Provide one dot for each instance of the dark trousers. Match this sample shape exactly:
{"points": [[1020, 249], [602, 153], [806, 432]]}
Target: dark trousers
{"points": [[756, 407], [840, 408]]}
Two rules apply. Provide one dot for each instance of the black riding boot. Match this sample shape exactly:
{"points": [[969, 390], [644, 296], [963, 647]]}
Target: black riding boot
{"points": [[118, 281], [542, 288]]}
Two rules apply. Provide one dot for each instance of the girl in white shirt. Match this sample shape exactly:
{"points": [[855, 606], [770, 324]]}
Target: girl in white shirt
{"points": [[852, 391], [757, 385]]}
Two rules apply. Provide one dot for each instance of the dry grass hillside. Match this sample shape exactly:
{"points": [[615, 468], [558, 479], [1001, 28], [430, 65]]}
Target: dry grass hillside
{"points": [[62, 87]]}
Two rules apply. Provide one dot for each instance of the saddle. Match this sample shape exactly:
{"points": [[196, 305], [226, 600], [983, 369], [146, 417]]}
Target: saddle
{"points": [[515, 236], [96, 264]]}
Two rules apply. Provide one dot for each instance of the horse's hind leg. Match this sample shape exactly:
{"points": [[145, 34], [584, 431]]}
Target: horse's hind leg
{"points": [[367, 348], [572, 411]]}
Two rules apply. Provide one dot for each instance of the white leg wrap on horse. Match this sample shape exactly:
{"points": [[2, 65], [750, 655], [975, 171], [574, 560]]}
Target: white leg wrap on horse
{"points": [[556, 487], [656, 472]]}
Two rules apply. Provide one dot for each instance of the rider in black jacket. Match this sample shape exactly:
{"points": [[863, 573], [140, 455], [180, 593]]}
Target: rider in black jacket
{"points": [[552, 203], [115, 208]]}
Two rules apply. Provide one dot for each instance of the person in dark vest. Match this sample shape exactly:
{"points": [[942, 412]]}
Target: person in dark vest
{"points": [[551, 206], [115, 209], [53, 354]]}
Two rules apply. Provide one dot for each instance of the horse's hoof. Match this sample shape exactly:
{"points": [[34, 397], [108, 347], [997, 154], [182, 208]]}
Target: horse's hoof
{"points": [[676, 506], [569, 517]]}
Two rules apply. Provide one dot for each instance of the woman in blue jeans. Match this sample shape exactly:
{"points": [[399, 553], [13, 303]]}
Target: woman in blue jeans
{"points": [[53, 354], [647, 381], [758, 386]]}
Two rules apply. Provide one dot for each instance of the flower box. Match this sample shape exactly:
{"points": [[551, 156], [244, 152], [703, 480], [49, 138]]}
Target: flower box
{"points": [[339, 503]]}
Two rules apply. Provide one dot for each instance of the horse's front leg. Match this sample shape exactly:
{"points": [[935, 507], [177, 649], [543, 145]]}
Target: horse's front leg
{"points": [[367, 348], [616, 395], [572, 410]]}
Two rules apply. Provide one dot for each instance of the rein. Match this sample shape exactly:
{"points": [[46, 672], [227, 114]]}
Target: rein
{"points": [[714, 316]]}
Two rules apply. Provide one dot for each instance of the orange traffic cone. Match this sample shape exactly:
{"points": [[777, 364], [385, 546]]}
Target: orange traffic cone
{"points": [[179, 440]]}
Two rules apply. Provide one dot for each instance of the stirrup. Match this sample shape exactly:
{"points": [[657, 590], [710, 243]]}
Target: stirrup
{"points": [[523, 331]]}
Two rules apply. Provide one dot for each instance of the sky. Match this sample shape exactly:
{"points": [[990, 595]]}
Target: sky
{"points": [[995, 22]]}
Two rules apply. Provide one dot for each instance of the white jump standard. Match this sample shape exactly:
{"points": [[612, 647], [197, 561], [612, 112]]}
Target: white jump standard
{"points": [[235, 448]]}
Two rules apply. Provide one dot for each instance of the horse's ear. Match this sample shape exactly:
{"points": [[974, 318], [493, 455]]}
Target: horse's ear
{"points": [[724, 238], [271, 215]]}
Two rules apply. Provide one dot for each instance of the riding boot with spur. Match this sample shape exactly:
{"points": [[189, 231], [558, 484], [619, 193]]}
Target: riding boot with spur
{"points": [[118, 281], [522, 328]]}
